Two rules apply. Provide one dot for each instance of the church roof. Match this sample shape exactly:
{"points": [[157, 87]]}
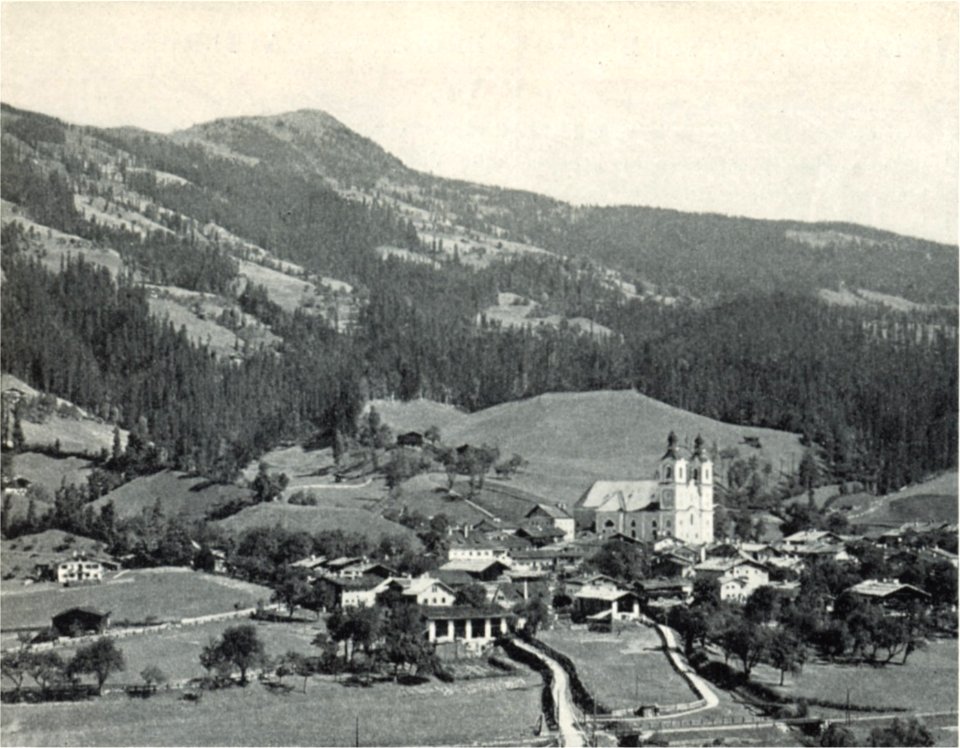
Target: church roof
{"points": [[619, 495]]}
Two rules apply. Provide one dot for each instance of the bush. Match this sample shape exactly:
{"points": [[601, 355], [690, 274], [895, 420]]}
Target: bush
{"points": [[445, 675]]}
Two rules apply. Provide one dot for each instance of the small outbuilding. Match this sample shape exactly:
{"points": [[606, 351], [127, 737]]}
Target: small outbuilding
{"points": [[80, 621]]}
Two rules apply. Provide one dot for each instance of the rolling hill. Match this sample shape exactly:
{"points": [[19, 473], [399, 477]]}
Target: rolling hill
{"points": [[179, 495], [933, 500], [573, 439]]}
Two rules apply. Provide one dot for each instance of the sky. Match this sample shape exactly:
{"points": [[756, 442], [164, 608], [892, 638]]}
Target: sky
{"points": [[800, 110]]}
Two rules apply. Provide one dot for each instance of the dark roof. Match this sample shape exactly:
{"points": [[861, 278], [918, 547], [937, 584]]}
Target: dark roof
{"points": [[454, 578], [462, 612], [92, 612], [359, 583], [540, 531], [554, 512]]}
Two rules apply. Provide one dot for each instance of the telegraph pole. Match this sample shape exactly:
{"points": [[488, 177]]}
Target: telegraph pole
{"points": [[356, 736]]}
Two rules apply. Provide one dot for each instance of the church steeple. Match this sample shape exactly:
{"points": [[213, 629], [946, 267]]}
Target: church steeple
{"points": [[672, 451]]}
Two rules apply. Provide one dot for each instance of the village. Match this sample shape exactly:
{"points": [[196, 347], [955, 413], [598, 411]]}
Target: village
{"points": [[626, 604]]}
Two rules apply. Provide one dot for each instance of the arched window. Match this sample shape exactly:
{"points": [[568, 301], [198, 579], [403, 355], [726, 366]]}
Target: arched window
{"points": [[679, 473], [608, 523], [696, 474], [668, 472], [706, 473]]}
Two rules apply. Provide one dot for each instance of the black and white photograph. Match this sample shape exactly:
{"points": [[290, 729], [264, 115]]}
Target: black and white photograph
{"points": [[479, 373]]}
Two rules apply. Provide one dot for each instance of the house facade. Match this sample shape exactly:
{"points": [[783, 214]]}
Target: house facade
{"points": [[678, 502], [79, 570]]}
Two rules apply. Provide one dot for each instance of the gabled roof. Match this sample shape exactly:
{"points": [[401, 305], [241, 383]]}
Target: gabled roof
{"points": [[342, 562], [473, 564], [309, 562], [554, 512], [360, 583], [724, 565], [601, 593], [813, 536], [624, 495], [884, 588], [540, 531], [422, 584]]}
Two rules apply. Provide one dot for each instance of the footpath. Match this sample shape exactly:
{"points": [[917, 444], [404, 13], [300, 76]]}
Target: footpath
{"points": [[570, 735]]}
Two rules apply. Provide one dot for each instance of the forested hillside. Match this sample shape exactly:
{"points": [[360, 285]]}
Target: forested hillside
{"points": [[711, 314]]}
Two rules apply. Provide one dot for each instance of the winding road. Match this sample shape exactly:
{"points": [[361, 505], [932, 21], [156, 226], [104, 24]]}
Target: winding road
{"points": [[570, 735]]}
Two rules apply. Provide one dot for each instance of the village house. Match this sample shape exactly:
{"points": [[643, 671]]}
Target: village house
{"points": [[890, 593], [479, 570], [736, 577], [540, 535], [79, 570], [601, 602], [478, 546], [678, 502], [557, 516], [424, 590], [473, 629], [346, 592], [666, 593]]}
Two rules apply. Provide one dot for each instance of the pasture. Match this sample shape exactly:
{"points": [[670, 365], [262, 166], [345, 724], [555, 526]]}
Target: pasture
{"points": [[622, 670], [928, 682], [482, 712], [933, 500], [180, 495], [313, 519], [166, 593], [19, 555]]}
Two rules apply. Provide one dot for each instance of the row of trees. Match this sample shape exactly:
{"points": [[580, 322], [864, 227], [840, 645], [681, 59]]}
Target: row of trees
{"points": [[100, 659]]}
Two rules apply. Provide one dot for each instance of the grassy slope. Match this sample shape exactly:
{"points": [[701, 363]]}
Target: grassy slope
{"points": [[51, 472], [166, 593], [179, 494], [930, 500], [87, 434], [28, 550], [573, 439], [314, 519], [419, 415], [501, 709]]}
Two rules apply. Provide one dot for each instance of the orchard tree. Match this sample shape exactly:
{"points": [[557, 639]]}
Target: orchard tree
{"points": [[100, 658], [787, 653], [290, 586], [747, 642]]}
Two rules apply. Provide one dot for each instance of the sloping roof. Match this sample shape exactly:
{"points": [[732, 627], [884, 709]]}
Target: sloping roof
{"points": [[472, 564], [625, 495], [554, 512], [540, 531], [812, 536], [726, 564], [462, 612], [883, 588], [422, 584], [309, 562], [601, 593], [360, 583]]}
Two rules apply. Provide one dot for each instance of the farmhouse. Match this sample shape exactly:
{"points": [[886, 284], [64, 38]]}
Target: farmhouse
{"points": [[423, 590], [79, 570], [600, 602], [477, 546], [736, 578], [80, 621], [889, 592], [475, 627], [678, 502], [540, 535], [557, 516], [342, 592], [480, 570]]}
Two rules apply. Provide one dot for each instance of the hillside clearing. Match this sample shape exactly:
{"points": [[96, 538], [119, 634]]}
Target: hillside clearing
{"points": [[933, 500], [51, 472], [284, 290], [418, 415], [314, 519], [179, 494]]}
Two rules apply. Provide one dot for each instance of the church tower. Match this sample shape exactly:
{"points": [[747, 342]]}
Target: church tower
{"points": [[672, 475], [701, 474]]}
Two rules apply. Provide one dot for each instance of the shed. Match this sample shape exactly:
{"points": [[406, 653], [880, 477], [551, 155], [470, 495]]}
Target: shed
{"points": [[80, 621]]}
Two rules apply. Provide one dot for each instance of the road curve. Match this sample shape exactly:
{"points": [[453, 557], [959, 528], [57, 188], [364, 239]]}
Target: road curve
{"points": [[569, 734]]}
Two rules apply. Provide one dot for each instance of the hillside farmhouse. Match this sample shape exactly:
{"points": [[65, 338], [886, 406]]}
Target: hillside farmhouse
{"points": [[80, 621], [678, 502]]}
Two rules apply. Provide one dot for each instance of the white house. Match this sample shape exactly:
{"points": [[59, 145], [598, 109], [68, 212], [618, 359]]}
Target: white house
{"points": [[678, 502], [79, 570], [736, 577]]}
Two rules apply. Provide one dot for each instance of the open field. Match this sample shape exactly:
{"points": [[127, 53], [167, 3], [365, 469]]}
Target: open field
{"points": [[512, 310], [313, 519], [419, 415], [426, 493], [933, 500], [179, 494], [165, 593], [177, 651], [928, 682], [284, 290], [622, 671], [51, 472], [473, 712]]}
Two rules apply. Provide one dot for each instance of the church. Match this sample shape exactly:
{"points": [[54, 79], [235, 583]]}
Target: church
{"points": [[677, 503]]}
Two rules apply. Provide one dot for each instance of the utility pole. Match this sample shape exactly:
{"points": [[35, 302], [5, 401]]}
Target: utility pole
{"points": [[356, 737]]}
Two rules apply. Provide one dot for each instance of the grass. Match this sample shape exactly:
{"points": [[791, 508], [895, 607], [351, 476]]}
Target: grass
{"points": [[419, 415], [284, 290], [313, 519], [420, 494], [51, 472], [622, 671], [574, 439], [933, 500], [478, 712], [177, 651], [166, 593], [23, 553], [179, 494], [928, 682]]}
